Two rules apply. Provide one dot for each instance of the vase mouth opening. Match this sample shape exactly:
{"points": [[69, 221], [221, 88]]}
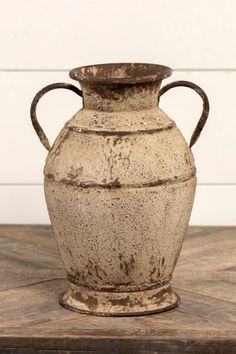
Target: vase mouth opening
{"points": [[121, 73]]}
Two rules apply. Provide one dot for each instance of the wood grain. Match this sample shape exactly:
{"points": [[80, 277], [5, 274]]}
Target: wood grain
{"points": [[33, 277]]}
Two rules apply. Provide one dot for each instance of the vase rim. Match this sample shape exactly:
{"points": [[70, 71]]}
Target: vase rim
{"points": [[120, 73]]}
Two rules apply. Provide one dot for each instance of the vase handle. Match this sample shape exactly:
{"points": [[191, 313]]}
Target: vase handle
{"points": [[39, 131], [205, 111]]}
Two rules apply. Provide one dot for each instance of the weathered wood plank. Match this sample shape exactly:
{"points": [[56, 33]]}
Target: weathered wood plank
{"points": [[32, 321], [27, 255], [129, 346]]}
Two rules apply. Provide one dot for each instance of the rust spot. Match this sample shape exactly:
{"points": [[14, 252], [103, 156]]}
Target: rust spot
{"points": [[127, 267], [89, 300], [161, 295], [117, 285], [69, 251], [73, 278], [114, 184], [120, 75], [153, 271], [117, 140], [132, 260], [50, 176], [123, 301], [151, 262], [97, 274]]}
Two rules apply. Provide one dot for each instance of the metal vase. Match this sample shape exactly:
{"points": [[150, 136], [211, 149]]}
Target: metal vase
{"points": [[119, 183]]}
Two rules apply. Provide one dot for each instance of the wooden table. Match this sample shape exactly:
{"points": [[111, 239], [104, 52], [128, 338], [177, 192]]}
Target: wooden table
{"points": [[32, 321]]}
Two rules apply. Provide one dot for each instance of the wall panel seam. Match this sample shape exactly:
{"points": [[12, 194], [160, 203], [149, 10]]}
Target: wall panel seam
{"points": [[68, 69]]}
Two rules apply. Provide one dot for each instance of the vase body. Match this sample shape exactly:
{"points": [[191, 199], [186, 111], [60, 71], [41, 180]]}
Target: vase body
{"points": [[119, 185]]}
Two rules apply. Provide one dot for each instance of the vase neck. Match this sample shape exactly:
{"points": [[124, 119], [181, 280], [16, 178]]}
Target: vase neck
{"points": [[117, 97]]}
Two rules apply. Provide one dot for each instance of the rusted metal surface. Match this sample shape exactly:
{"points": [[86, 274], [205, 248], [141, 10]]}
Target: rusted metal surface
{"points": [[39, 131], [130, 303], [121, 73], [121, 133], [206, 106], [119, 185], [116, 184]]}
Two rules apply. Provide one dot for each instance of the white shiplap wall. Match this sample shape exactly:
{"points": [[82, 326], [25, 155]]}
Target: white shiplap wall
{"points": [[41, 40]]}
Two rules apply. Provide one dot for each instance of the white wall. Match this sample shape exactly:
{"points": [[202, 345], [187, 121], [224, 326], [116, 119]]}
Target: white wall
{"points": [[40, 40]]}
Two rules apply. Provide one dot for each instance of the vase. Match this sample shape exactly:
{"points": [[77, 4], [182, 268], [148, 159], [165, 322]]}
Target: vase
{"points": [[119, 183]]}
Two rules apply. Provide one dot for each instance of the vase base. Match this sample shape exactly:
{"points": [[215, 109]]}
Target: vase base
{"points": [[104, 303]]}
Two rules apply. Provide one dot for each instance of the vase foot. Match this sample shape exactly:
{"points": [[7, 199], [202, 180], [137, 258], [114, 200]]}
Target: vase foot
{"points": [[104, 303]]}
